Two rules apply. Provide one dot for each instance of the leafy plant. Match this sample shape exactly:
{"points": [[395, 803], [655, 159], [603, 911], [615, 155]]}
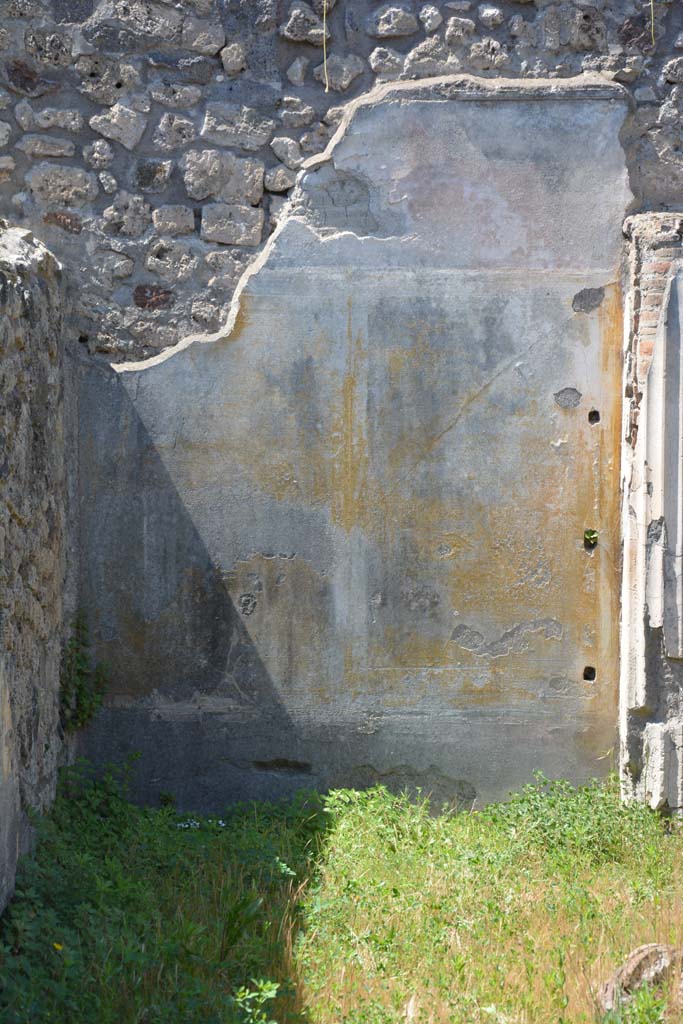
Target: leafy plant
{"points": [[128, 915], [81, 684], [646, 1007], [250, 1003]]}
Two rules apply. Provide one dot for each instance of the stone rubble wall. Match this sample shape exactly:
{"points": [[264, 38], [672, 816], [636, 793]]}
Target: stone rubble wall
{"points": [[152, 145], [32, 535]]}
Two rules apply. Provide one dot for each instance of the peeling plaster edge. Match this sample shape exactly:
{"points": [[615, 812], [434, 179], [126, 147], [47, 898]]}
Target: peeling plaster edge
{"points": [[470, 87], [224, 332], [455, 87]]}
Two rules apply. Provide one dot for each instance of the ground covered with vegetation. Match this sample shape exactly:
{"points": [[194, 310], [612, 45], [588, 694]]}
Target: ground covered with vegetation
{"points": [[362, 908]]}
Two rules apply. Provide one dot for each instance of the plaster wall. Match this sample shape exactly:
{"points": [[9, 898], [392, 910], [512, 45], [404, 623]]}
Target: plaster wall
{"points": [[343, 540]]}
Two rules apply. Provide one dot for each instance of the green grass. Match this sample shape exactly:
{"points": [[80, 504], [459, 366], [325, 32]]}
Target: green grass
{"points": [[361, 908]]}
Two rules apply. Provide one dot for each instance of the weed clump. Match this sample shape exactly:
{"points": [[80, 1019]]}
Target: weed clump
{"points": [[361, 907], [515, 914], [129, 914]]}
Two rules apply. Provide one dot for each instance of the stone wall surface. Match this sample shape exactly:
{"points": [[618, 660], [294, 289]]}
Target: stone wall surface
{"points": [[343, 541], [32, 535], [152, 144]]}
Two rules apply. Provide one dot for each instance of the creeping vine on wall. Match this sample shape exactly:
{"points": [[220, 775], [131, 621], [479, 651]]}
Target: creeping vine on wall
{"points": [[81, 683]]}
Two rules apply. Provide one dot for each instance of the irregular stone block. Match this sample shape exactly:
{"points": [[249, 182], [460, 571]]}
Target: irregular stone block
{"points": [[7, 167], [128, 215], [232, 224], [171, 94], [152, 175], [159, 22], [232, 125], [385, 61], [48, 46], [294, 113], [392, 20], [45, 145], [458, 30], [316, 140], [303, 25], [279, 179], [430, 17], [108, 182], [98, 154], [66, 120], [234, 58], [183, 66], [174, 132], [50, 117], [524, 31], [120, 124], [587, 30], [673, 70], [227, 267], [288, 151], [173, 220], [207, 315], [173, 261], [62, 186], [115, 266], [211, 173], [23, 114], [431, 57], [296, 72], [205, 37], [102, 78], [69, 222], [489, 54], [341, 71], [490, 15], [23, 78]]}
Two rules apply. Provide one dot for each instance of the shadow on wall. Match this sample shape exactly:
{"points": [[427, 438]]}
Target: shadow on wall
{"points": [[189, 691]]}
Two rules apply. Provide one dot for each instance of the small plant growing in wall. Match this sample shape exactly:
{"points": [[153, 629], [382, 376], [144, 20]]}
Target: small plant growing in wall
{"points": [[81, 683]]}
